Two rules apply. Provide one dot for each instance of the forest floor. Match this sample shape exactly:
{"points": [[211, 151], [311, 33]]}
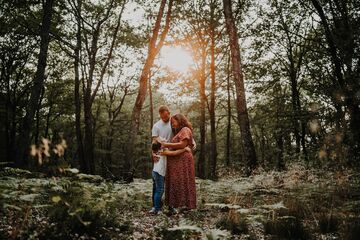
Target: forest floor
{"points": [[295, 204]]}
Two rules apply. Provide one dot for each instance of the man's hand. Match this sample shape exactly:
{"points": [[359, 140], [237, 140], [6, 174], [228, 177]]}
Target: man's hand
{"points": [[187, 149], [194, 144], [155, 157], [163, 144]]}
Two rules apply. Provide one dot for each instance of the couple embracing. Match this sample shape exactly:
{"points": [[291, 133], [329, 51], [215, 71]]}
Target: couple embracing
{"points": [[174, 167]]}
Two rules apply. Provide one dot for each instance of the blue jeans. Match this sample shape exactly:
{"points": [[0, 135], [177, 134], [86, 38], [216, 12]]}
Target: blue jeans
{"points": [[158, 189]]}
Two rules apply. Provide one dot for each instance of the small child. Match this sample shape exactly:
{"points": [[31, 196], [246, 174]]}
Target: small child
{"points": [[156, 148]]}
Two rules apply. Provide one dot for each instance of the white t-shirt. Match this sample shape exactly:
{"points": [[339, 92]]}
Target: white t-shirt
{"points": [[162, 129]]}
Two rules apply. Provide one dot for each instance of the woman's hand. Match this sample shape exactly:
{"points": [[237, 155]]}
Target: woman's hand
{"points": [[164, 144], [187, 149]]}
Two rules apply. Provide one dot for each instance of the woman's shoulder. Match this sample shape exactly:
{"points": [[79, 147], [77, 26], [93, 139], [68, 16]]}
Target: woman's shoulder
{"points": [[186, 130]]}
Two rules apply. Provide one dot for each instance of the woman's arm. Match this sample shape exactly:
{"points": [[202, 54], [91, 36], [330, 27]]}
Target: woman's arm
{"points": [[175, 152], [178, 145]]}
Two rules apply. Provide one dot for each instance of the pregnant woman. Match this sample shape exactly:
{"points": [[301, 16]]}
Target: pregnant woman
{"points": [[180, 189]]}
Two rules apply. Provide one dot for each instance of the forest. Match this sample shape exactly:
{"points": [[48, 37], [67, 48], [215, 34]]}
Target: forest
{"points": [[271, 88]]}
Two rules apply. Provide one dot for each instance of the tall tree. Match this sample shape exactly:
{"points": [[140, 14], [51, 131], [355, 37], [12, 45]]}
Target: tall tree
{"points": [[201, 36], [290, 33], [228, 105], [84, 166], [153, 50], [340, 35], [200, 44], [151, 104], [38, 83], [213, 155], [243, 117], [203, 100], [114, 99], [90, 91]]}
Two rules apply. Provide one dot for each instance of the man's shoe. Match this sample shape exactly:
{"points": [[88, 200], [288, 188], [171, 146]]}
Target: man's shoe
{"points": [[153, 211]]}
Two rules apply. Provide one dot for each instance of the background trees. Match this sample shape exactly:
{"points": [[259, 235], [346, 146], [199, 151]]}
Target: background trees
{"points": [[81, 72]]}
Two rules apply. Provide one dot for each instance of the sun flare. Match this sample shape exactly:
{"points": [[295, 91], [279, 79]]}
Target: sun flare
{"points": [[176, 58]]}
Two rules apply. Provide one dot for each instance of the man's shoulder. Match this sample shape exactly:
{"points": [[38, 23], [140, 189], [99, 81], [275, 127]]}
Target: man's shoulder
{"points": [[158, 123], [161, 123]]}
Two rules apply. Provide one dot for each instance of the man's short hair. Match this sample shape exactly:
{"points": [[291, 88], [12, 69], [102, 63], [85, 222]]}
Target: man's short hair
{"points": [[163, 108]]}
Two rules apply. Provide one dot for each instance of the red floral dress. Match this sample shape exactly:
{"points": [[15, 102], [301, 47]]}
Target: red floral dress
{"points": [[180, 188]]}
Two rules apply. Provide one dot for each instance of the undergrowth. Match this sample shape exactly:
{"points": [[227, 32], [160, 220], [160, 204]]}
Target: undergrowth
{"points": [[297, 204]]}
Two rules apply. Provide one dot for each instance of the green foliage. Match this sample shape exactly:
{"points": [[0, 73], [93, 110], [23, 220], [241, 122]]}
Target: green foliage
{"points": [[235, 224], [67, 206], [287, 227], [77, 210], [351, 229], [177, 234], [329, 223], [294, 204]]}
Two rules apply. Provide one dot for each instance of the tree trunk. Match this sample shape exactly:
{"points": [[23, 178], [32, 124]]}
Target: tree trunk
{"points": [[249, 148], [37, 116], [213, 156], [151, 105], [109, 142], [153, 50], [24, 138], [262, 143], [299, 123], [228, 128], [280, 152], [279, 131], [47, 124], [202, 124], [295, 110], [303, 140], [303, 129], [89, 134], [79, 139]]}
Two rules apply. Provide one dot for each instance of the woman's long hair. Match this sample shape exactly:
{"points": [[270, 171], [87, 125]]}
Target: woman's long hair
{"points": [[183, 122]]}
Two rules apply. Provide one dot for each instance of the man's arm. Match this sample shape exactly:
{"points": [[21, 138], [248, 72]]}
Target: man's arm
{"points": [[178, 145], [175, 152]]}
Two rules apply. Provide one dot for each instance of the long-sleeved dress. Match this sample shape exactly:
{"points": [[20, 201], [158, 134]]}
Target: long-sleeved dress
{"points": [[180, 188]]}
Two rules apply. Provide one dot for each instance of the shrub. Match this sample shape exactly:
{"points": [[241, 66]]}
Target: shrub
{"points": [[351, 229], [77, 211], [286, 227], [328, 223], [233, 222]]}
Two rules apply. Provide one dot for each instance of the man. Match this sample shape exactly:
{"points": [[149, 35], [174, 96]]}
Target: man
{"points": [[161, 130]]}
